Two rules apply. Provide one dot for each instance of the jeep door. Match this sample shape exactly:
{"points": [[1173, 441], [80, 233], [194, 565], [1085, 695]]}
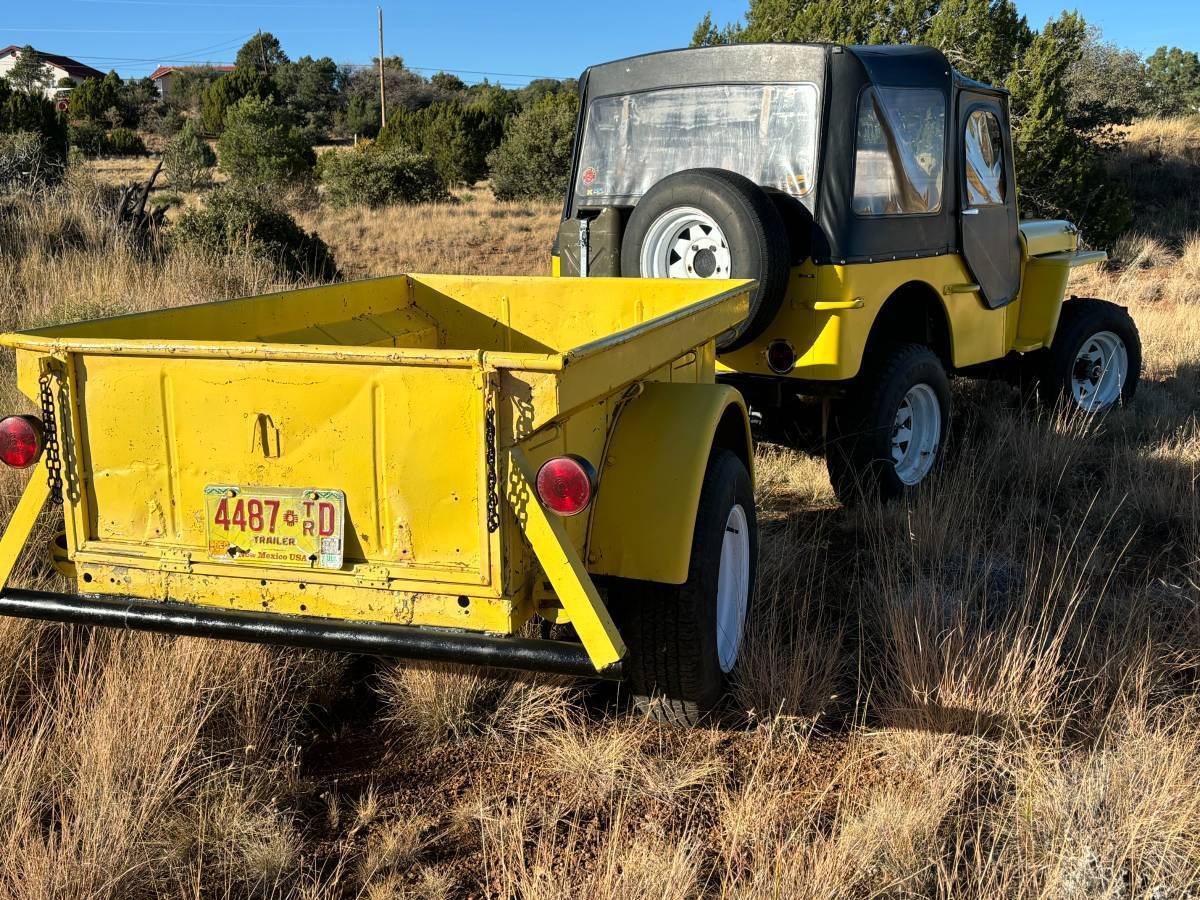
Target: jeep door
{"points": [[987, 198]]}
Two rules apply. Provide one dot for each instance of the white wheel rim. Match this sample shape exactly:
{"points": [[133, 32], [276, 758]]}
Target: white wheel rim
{"points": [[733, 587], [685, 243], [1099, 373], [916, 433]]}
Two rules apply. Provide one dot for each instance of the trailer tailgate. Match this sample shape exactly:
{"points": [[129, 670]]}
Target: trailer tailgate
{"points": [[404, 445]]}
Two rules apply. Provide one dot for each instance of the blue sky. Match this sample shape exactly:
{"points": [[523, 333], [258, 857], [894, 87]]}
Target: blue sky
{"points": [[512, 41]]}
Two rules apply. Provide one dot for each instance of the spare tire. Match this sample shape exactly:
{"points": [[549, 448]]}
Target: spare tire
{"points": [[710, 223]]}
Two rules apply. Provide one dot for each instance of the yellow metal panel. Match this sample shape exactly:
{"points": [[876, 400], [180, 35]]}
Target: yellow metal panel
{"points": [[1042, 289], [650, 483], [404, 444], [1042, 236], [16, 533], [206, 586], [563, 567], [829, 311]]}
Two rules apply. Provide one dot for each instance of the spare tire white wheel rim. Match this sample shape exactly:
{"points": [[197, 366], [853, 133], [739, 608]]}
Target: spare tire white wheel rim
{"points": [[916, 434], [685, 242], [1099, 373], [733, 587]]}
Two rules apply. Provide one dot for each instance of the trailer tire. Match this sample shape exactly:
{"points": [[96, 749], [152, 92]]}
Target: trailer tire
{"points": [[748, 239], [680, 657], [864, 428], [1094, 362]]}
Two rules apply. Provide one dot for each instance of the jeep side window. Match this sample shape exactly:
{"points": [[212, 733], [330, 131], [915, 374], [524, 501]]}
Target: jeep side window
{"points": [[901, 149], [983, 148]]}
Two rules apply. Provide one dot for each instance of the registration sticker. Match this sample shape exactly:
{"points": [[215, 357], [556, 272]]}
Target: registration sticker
{"points": [[301, 527]]}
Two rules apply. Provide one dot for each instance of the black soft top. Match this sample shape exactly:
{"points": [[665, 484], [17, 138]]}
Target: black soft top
{"points": [[841, 74]]}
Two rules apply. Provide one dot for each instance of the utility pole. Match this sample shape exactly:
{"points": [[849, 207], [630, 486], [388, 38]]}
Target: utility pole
{"points": [[382, 92]]}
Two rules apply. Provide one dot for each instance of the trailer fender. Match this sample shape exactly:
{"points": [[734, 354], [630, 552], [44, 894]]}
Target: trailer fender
{"points": [[649, 485]]}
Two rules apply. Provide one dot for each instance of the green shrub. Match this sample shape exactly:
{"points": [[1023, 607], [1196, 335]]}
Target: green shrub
{"points": [[534, 159], [124, 142], [225, 92], [88, 137], [238, 221], [379, 176], [95, 97], [164, 120], [35, 114], [24, 162], [188, 159], [457, 135], [261, 148]]}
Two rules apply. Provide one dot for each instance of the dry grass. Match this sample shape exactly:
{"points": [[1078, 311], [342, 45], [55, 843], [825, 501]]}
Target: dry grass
{"points": [[988, 692], [475, 234]]}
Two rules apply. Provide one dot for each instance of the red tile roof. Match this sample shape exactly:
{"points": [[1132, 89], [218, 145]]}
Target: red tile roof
{"points": [[70, 66], [167, 70]]}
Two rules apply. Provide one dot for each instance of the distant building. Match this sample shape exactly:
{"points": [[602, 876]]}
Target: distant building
{"points": [[164, 75], [61, 66]]}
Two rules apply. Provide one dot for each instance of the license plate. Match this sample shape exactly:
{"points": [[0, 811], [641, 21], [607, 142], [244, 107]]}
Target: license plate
{"points": [[275, 526]]}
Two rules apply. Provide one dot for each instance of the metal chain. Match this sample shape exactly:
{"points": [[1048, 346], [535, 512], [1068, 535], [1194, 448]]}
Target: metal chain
{"points": [[53, 461], [493, 479]]}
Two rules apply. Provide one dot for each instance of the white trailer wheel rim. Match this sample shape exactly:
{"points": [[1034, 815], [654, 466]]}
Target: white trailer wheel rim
{"points": [[685, 242], [733, 587], [1099, 372], [916, 434]]}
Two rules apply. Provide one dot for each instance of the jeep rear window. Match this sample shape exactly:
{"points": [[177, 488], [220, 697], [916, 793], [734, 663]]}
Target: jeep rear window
{"points": [[900, 159], [767, 132]]}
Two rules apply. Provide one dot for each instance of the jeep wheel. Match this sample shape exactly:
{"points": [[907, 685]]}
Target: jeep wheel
{"points": [[710, 223], [684, 639], [1095, 360], [888, 435]]}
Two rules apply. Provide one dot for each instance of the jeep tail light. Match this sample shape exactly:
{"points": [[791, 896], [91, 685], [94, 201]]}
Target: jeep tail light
{"points": [[566, 484], [21, 441], [781, 356]]}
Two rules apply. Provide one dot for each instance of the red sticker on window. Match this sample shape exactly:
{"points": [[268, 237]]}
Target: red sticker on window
{"points": [[589, 175]]}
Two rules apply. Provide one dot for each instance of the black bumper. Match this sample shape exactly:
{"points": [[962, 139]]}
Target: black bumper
{"points": [[409, 642]]}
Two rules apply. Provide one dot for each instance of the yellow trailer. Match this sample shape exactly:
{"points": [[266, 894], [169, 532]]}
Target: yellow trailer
{"points": [[427, 466]]}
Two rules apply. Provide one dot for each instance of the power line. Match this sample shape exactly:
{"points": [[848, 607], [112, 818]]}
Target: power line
{"points": [[215, 5]]}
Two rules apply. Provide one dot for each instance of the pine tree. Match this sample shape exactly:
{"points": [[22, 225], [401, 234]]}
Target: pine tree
{"points": [[29, 74], [1061, 171], [1174, 77]]}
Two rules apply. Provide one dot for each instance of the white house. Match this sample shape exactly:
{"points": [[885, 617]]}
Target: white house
{"points": [[164, 75], [60, 66]]}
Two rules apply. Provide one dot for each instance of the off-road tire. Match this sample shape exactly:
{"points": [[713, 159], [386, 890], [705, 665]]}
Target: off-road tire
{"points": [[1048, 373], [670, 630], [858, 447], [759, 244]]}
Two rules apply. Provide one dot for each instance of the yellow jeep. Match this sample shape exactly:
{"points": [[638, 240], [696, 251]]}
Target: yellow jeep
{"points": [[870, 191], [525, 472]]}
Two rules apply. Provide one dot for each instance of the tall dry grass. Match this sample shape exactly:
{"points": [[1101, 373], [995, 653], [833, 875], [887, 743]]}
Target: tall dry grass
{"points": [[989, 691]]}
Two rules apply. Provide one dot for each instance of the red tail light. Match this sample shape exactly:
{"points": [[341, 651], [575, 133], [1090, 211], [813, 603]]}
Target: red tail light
{"points": [[21, 441], [566, 484]]}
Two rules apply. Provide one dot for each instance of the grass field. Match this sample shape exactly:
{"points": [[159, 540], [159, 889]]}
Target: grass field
{"points": [[990, 691]]}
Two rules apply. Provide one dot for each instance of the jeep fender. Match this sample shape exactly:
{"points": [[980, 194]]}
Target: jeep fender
{"points": [[649, 485]]}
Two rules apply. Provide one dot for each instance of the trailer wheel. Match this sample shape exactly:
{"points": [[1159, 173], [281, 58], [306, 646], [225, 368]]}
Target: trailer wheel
{"points": [[711, 223], [1095, 360], [684, 639], [888, 436]]}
